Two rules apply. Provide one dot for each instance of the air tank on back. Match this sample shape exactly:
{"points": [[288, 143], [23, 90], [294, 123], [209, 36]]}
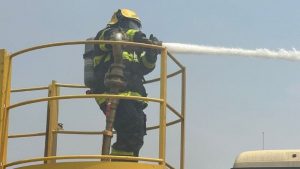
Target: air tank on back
{"points": [[88, 56]]}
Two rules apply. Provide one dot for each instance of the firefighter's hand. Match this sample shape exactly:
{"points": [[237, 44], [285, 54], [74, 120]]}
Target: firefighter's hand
{"points": [[154, 40], [139, 36], [151, 55]]}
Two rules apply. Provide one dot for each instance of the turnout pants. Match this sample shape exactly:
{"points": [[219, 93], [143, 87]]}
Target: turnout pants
{"points": [[130, 125]]}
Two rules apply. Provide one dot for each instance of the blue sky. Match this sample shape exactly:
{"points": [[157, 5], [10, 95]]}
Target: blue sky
{"points": [[230, 100]]}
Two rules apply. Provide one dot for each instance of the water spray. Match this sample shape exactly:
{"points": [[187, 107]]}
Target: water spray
{"points": [[200, 49]]}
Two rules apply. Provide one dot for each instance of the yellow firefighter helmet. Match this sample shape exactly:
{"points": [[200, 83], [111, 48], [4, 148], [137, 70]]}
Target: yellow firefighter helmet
{"points": [[124, 13]]}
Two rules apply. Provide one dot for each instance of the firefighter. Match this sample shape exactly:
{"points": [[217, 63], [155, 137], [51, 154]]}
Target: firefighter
{"points": [[130, 120]]}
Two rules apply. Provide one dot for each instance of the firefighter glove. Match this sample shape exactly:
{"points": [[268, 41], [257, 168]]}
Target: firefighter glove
{"points": [[151, 54], [139, 36], [154, 39]]}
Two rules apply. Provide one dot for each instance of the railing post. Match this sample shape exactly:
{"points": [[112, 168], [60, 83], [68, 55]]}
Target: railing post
{"points": [[163, 105], [5, 81], [52, 123], [183, 102]]}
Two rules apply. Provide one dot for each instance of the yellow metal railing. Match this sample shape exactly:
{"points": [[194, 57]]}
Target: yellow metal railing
{"points": [[53, 106], [84, 157]]}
